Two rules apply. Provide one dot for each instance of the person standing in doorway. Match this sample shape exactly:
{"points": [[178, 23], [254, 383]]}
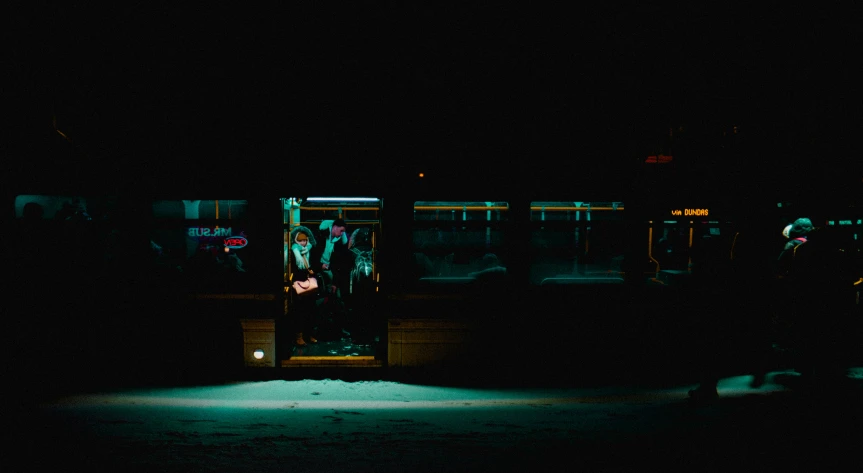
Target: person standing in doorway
{"points": [[335, 258], [336, 262], [301, 270]]}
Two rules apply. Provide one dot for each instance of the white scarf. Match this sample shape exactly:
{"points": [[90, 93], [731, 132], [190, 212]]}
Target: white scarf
{"points": [[301, 253]]}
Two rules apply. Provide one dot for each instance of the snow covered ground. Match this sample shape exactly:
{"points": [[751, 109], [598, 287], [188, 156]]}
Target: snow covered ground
{"points": [[333, 425]]}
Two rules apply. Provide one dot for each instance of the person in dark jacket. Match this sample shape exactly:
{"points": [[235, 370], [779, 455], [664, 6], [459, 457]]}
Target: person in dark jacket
{"points": [[712, 294], [335, 258], [820, 283], [336, 262], [797, 234]]}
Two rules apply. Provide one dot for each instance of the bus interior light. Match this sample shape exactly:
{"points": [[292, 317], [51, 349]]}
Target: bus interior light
{"points": [[342, 199]]}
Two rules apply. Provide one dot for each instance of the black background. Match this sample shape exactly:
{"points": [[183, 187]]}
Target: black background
{"points": [[243, 95], [228, 99]]}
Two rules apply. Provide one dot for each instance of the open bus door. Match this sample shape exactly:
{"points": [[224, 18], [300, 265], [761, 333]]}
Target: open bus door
{"points": [[348, 326]]}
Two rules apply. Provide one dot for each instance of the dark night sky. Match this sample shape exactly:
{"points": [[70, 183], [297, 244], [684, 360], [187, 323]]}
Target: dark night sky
{"points": [[430, 86]]}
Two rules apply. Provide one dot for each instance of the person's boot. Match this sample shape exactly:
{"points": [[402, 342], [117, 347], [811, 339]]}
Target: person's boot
{"points": [[705, 394], [758, 378], [300, 342], [762, 367]]}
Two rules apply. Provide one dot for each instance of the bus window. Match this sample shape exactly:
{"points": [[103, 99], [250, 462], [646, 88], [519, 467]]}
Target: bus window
{"points": [[210, 244], [63, 207], [671, 244], [459, 242], [55, 233], [576, 243]]}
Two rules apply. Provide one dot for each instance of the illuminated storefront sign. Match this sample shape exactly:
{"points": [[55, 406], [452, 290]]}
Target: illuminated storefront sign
{"points": [[690, 212], [213, 234], [209, 232], [236, 242], [661, 159]]}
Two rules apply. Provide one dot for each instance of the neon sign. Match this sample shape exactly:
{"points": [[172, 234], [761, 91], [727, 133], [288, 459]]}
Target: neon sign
{"points": [[209, 232], [212, 235], [690, 212], [236, 242]]}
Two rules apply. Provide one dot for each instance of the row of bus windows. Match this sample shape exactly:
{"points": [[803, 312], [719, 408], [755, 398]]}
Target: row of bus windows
{"points": [[56, 207], [77, 208], [216, 242]]}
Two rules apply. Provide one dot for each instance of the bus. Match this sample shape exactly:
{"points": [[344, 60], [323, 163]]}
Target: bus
{"points": [[459, 282]]}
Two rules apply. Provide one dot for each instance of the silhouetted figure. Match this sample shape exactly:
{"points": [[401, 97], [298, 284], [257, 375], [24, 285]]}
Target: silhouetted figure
{"points": [[32, 212], [672, 250], [820, 282], [797, 234], [30, 243], [490, 266], [163, 268], [49, 285], [752, 266], [712, 296], [73, 211], [336, 263], [491, 277], [231, 263]]}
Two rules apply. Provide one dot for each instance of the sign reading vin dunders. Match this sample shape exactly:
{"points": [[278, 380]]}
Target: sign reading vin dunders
{"points": [[690, 212]]}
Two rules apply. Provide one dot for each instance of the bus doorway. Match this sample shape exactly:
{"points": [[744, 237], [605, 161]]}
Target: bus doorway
{"points": [[339, 323]]}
